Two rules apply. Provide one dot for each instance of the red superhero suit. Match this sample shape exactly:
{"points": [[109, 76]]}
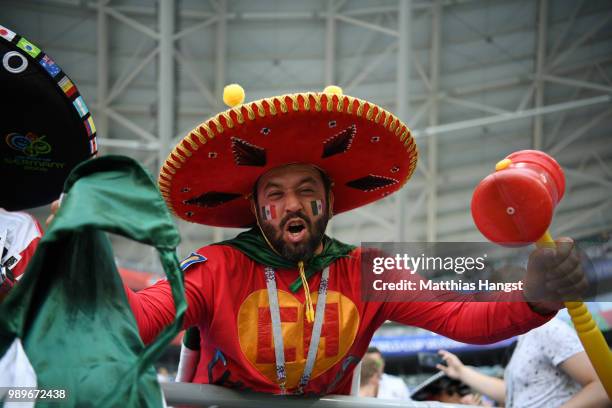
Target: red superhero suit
{"points": [[228, 301]]}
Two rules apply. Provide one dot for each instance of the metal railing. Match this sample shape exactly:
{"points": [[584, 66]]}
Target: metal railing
{"points": [[205, 395]]}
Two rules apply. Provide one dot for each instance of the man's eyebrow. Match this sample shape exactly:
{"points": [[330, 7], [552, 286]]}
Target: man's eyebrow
{"points": [[305, 180], [308, 179], [271, 184]]}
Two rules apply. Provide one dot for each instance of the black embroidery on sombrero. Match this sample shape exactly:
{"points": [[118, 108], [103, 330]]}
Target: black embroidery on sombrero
{"points": [[340, 142], [371, 182], [212, 199], [247, 154]]}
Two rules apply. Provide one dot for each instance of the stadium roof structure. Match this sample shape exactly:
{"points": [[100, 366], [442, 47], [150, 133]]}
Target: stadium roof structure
{"points": [[475, 80]]}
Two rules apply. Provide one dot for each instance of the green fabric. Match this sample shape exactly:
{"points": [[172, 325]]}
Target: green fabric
{"points": [[254, 245], [70, 308]]}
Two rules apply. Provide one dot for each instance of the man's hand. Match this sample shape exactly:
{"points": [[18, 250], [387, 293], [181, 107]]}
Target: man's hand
{"points": [[554, 275], [454, 368]]}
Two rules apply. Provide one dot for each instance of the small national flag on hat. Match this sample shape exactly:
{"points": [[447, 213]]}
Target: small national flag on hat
{"points": [[93, 146], [67, 86], [317, 207], [6, 33], [49, 65], [89, 126], [268, 212], [28, 47], [80, 106]]}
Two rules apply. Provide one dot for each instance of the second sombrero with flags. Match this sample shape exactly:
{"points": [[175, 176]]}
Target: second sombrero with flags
{"points": [[46, 128], [367, 152]]}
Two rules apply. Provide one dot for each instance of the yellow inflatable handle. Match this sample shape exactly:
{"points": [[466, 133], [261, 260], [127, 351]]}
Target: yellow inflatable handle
{"points": [[589, 334]]}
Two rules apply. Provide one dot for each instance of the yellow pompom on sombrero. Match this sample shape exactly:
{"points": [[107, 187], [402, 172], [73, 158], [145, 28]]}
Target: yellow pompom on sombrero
{"points": [[367, 152]]}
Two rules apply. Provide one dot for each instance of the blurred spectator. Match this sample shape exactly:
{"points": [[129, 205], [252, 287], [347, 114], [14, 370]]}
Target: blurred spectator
{"points": [[163, 375], [548, 368], [19, 236], [390, 386], [371, 372], [442, 388]]}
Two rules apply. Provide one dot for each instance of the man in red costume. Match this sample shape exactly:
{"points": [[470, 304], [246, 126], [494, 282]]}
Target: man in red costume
{"points": [[279, 308]]}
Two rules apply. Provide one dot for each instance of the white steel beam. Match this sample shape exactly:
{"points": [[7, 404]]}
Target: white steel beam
{"points": [[131, 126], [474, 105], [130, 22], [370, 66], [418, 67], [567, 27], [576, 83], [526, 98], [128, 144], [368, 25], [221, 51], [358, 54], [432, 140], [191, 72], [330, 60], [603, 73], [220, 79], [560, 122], [330, 43], [569, 50], [588, 177], [120, 86], [102, 74], [403, 95], [538, 121], [166, 78], [581, 218], [418, 115], [576, 134], [604, 167], [195, 27], [490, 120]]}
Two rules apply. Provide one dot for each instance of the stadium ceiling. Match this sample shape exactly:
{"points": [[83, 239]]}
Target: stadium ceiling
{"points": [[474, 79]]}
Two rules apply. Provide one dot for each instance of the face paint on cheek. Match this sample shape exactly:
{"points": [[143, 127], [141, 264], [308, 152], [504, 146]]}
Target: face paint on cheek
{"points": [[268, 212], [316, 206]]}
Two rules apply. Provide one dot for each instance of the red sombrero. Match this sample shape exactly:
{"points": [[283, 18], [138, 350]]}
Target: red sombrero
{"points": [[367, 152]]}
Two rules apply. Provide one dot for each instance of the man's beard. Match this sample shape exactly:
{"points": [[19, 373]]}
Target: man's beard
{"points": [[303, 250]]}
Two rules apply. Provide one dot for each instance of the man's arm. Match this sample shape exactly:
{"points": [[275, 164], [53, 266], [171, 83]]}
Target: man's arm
{"points": [[592, 394], [468, 322], [492, 387], [153, 307]]}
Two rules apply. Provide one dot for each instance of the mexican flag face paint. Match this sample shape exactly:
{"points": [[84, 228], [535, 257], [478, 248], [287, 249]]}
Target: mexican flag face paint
{"points": [[268, 212], [316, 207]]}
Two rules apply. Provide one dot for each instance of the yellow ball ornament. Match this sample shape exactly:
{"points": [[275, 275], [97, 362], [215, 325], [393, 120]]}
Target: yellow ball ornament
{"points": [[233, 95], [333, 89]]}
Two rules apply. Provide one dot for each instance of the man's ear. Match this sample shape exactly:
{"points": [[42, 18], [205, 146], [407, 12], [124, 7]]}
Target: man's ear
{"points": [[252, 206], [330, 204]]}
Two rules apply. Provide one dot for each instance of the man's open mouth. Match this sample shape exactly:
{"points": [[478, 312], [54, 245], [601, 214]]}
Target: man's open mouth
{"points": [[295, 230]]}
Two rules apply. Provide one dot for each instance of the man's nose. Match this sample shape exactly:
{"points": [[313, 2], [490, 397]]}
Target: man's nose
{"points": [[292, 203]]}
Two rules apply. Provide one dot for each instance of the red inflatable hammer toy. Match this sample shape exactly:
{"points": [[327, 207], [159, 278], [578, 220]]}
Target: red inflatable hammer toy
{"points": [[515, 206]]}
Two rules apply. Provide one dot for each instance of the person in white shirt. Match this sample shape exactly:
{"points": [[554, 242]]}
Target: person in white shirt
{"points": [[548, 368], [389, 386]]}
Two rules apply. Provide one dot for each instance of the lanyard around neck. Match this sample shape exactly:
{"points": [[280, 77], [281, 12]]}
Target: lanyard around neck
{"points": [[277, 333]]}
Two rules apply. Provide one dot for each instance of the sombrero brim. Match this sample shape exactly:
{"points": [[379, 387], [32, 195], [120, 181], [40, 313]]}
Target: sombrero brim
{"points": [[46, 128], [421, 392], [367, 152]]}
